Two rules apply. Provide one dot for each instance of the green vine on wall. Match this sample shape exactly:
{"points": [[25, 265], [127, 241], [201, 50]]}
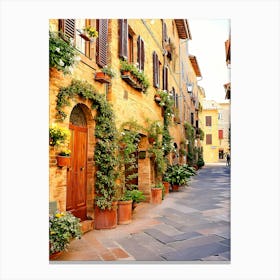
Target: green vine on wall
{"points": [[167, 105], [190, 135], [105, 132]]}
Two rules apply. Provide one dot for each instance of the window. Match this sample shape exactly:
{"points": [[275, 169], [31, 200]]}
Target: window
{"points": [[73, 28], [208, 139], [130, 48], [192, 119], [219, 116], [221, 134], [123, 38], [208, 120], [164, 32], [156, 70], [165, 78], [101, 44], [140, 53]]}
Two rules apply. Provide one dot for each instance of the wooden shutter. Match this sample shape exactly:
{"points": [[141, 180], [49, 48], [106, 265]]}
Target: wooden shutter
{"points": [[221, 134], [208, 139], [156, 70], [101, 46], [123, 38], [67, 26], [208, 121], [164, 32], [165, 78], [140, 53]]}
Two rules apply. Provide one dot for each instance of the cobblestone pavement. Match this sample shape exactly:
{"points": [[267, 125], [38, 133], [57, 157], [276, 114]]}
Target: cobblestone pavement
{"points": [[190, 225]]}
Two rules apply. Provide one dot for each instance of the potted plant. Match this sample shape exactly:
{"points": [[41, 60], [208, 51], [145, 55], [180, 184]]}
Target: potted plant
{"points": [[166, 181], [62, 54], [125, 209], [63, 158], [89, 33], [63, 226], [105, 75], [154, 130], [58, 135], [137, 197], [157, 193], [105, 213], [177, 176]]}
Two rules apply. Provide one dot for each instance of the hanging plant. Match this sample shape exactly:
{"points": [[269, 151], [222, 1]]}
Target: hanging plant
{"points": [[105, 132], [62, 54]]}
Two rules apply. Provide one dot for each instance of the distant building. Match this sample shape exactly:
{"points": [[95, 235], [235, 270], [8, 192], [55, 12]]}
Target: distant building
{"points": [[209, 124], [223, 128]]}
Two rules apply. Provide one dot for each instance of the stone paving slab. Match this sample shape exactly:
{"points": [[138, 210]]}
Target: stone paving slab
{"points": [[196, 253], [197, 241], [157, 234], [138, 251], [151, 243]]}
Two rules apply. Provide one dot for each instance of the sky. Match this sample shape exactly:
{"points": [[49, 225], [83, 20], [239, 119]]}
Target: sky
{"points": [[208, 45]]}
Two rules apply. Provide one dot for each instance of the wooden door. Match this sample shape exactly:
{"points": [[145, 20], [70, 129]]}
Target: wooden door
{"points": [[77, 181]]}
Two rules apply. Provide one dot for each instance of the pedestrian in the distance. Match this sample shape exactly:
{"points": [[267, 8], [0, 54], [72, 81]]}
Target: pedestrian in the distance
{"points": [[228, 159]]}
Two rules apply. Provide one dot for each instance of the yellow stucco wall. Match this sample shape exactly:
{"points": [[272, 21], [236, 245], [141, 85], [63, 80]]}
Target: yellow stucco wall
{"points": [[127, 102]]}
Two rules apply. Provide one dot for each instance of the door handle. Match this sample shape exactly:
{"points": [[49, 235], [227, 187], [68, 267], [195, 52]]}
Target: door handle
{"points": [[82, 168]]}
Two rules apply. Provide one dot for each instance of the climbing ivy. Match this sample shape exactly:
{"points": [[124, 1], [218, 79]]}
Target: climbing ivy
{"points": [[105, 132], [167, 105], [190, 135]]}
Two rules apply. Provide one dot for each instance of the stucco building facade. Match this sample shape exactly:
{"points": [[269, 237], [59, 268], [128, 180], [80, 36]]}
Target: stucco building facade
{"points": [[158, 48]]}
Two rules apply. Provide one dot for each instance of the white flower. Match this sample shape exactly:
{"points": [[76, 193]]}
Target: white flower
{"points": [[123, 133], [77, 58], [61, 63], [70, 69], [57, 49]]}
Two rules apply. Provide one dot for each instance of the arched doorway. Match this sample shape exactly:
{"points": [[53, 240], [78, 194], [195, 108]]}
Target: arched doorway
{"points": [[76, 196]]}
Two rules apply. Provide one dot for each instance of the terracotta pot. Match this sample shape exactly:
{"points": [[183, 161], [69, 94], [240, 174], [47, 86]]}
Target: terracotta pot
{"points": [[126, 73], [63, 161], [105, 219], [134, 205], [151, 140], [156, 195], [166, 187], [55, 255], [175, 188], [102, 77], [124, 212], [157, 98]]}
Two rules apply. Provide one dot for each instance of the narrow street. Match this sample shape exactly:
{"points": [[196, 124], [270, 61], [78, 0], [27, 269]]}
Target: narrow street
{"points": [[190, 225]]}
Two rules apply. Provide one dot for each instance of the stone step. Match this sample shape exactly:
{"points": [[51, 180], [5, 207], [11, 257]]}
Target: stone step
{"points": [[87, 225]]}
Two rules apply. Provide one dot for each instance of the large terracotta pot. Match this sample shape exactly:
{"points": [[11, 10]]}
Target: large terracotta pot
{"points": [[166, 187], [156, 195], [124, 212], [175, 188], [105, 219]]}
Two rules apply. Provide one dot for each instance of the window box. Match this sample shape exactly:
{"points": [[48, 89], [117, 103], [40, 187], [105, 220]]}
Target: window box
{"points": [[102, 77], [132, 80]]}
